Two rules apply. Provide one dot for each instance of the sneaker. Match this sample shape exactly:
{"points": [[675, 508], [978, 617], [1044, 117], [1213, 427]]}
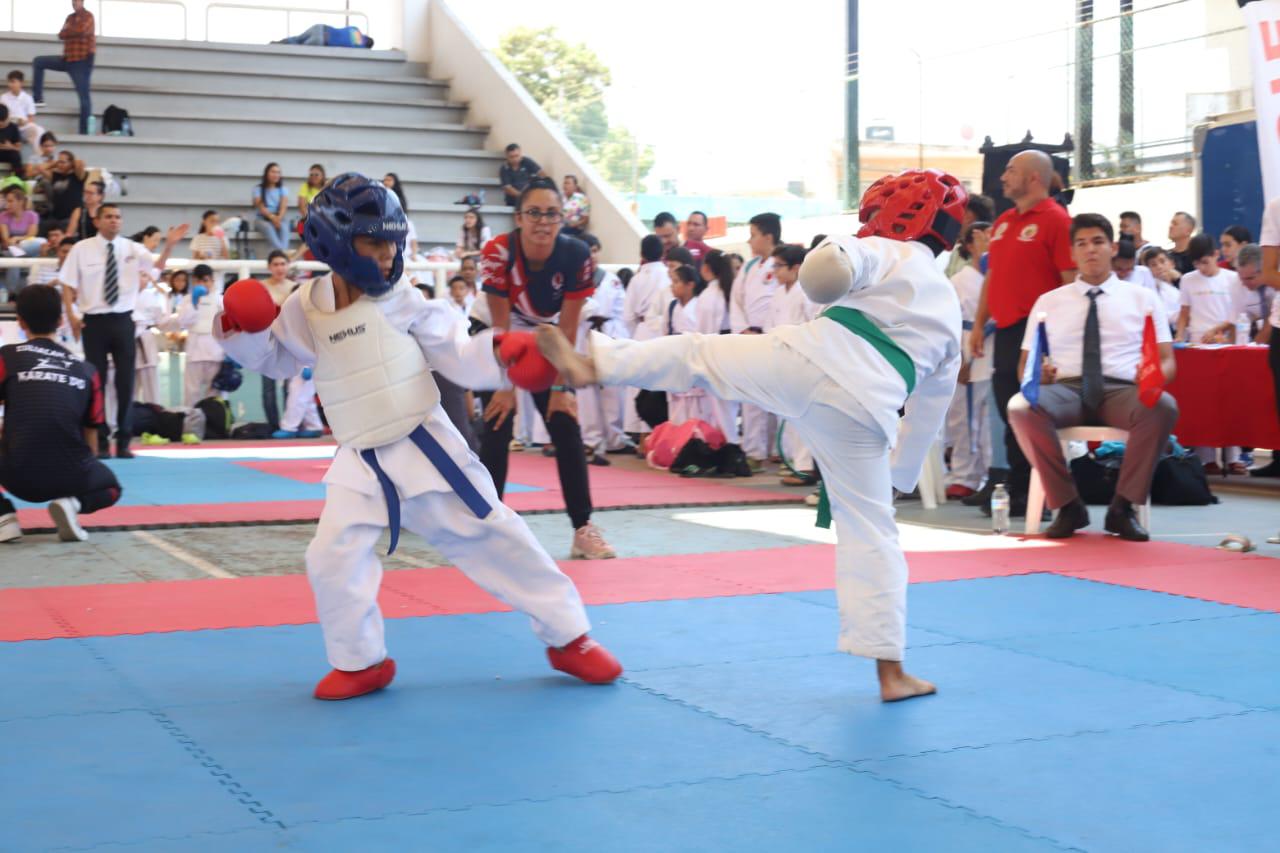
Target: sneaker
{"points": [[10, 531], [589, 544], [515, 446], [190, 438], [309, 433], [150, 439], [597, 459], [813, 498], [586, 659], [756, 465], [284, 433], [64, 512], [39, 105]]}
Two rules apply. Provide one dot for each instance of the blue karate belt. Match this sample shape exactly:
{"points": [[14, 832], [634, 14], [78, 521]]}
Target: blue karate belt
{"points": [[443, 463]]}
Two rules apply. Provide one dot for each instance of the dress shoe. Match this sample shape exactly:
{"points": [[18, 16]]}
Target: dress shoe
{"points": [[123, 451], [1122, 520], [1071, 517]]}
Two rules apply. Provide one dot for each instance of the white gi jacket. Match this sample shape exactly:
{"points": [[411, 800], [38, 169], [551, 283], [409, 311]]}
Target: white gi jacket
{"points": [[288, 346], [645, 289], [752, 295], [898, 286]]}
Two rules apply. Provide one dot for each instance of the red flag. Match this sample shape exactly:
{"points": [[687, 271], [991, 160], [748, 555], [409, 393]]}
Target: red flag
{"points": [[1150, 374]]}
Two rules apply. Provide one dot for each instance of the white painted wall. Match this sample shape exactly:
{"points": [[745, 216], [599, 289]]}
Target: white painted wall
{"points": [[433, 34]]}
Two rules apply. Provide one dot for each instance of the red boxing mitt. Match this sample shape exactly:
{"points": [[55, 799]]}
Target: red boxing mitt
{"points": [[527, 368], [247, 306]]}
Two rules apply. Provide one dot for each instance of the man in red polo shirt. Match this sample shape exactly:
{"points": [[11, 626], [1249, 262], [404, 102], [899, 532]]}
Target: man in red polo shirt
{"points": [[1030, 254]]}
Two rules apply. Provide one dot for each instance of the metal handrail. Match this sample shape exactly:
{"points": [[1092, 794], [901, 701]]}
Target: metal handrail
{"points": [[288, 10]]}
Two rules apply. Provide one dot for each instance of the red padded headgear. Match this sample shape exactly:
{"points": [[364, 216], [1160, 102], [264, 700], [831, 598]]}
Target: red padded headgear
{"points": [[913, 204]]}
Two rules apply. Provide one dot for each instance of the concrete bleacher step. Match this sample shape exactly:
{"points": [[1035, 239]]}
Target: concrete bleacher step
{"points": [[220, 56], [195, 127], [217, 101]]}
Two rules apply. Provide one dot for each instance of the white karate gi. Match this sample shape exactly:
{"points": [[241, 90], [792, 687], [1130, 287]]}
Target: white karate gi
{"points": [[148, 312], [713, 319], [497, 552], [682, 320], [967, 430], [642, 293], [204, 353], [601, 408], [749, 308], [843, 397], [300, 409], [791, 307]]}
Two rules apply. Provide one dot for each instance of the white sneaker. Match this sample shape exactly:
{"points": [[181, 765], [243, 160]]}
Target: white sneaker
{"points": [[812, 498], [64, 512], [589, 544], [9, 529]]}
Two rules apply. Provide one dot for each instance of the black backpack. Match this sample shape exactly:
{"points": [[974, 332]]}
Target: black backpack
{"points": [[217, 414], [115, 122]]}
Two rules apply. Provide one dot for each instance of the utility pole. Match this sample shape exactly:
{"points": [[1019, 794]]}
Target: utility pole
{"points": [[1126, 88], [1084, 89], [852, 160]]}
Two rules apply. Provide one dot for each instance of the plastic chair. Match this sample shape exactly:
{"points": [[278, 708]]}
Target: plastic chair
{"points": [[1035, 493]]}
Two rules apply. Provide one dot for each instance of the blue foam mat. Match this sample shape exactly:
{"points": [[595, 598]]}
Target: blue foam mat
{"points": [[823, 809], [1199, 786]]}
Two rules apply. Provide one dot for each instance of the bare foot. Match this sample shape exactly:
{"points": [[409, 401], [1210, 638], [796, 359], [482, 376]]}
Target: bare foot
{"points": [[575, 367], [896, 684]]}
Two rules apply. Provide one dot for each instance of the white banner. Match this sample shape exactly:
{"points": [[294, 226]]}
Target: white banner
{"points": [[1262, 21]]}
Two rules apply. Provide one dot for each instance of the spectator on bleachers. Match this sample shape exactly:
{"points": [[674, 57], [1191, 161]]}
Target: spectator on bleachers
{"points": [[85, 217], [1131, 227], [392, 182], [40, 166], [10, 143], [316, 179], [271, 201], [1232, 239], [516, 173], [695, 228], [577, 208], [66, 190], [78, 47], [210, 242], [19, 226], [967, 418], [322, 35], [472, 235], [1181, 229], [668, 231], [22, 110], [1084, 384], [49, 249]]}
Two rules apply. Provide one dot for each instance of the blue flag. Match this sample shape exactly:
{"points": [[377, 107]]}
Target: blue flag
{"points": [[1035, 358]]}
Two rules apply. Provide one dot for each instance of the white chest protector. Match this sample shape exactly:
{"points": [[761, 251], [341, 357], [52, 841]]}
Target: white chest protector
{"points": [[373, 379]]}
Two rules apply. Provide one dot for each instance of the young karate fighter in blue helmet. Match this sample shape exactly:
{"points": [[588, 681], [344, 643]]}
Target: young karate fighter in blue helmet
{"points": [[372, 341]]}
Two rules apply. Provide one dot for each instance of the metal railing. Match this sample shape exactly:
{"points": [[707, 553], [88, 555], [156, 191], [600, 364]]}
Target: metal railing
{"points": [[102, 11], [347, 14]]}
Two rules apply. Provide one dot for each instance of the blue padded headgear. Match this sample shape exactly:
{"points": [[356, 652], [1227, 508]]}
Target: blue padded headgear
{"points": [[352, 205]]}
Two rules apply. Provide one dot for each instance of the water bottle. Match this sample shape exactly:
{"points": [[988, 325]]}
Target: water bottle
{"points": [[999, 510], [1242, 329], [93, 125]]}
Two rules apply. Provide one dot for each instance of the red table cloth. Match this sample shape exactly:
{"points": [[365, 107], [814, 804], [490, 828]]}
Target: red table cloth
{"points": [[1225, 398]]}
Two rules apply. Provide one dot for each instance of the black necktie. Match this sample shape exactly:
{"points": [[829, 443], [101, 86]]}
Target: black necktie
{"points": [[111, 278], [1091, 363]]}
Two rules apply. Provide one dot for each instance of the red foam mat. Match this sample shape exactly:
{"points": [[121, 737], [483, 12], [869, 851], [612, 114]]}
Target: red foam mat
{"points": [[1244, 580], [181, 515], [112, 609]]}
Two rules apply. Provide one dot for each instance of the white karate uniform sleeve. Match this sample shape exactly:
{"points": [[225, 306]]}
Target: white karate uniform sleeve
{"points": [[441, 331], [633, 307], [279, 352], [737, 302], [926, 412]]}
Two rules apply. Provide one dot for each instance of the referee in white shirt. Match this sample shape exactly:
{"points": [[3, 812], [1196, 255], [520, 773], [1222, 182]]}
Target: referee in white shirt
{"points": [[101, 279], [1094, 328]]}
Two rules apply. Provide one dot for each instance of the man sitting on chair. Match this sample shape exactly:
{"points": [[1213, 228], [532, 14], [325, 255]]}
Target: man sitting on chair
{"points": [[1094, 328]]}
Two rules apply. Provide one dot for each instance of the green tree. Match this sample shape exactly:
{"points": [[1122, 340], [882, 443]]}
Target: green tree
{"points": [[569, 81]]}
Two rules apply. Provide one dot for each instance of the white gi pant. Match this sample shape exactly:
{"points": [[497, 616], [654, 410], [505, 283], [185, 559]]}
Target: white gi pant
{"points": [[145, 381], [794, 449], [300, 410], [758, 429], [197, 381], [853, 452], [969, 435], [600, 411], [498, 553]]}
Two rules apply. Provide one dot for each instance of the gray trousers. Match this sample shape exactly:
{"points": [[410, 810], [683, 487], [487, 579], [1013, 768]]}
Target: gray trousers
{"points": [[1036, 428], [453, 398]]}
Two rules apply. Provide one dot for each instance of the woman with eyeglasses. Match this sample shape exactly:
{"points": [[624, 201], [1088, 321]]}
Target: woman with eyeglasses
{"points": [[532, 277]]}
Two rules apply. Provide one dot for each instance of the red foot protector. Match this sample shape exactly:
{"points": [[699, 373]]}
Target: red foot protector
{"points": [[586, 659], [339, 684]]}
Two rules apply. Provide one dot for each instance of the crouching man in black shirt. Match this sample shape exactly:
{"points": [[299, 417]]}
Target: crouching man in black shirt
{"points": [[52, 410]]}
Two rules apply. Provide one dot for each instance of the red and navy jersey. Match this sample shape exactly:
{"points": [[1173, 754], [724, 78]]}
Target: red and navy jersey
{"points": [[50, 396], [537, 296]]}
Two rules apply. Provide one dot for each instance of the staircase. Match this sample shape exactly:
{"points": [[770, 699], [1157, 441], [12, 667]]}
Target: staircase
{"points": [[208, 117]]}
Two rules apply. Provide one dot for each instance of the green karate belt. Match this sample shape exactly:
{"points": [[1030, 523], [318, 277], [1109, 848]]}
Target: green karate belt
{"points": [[858, 323]]}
